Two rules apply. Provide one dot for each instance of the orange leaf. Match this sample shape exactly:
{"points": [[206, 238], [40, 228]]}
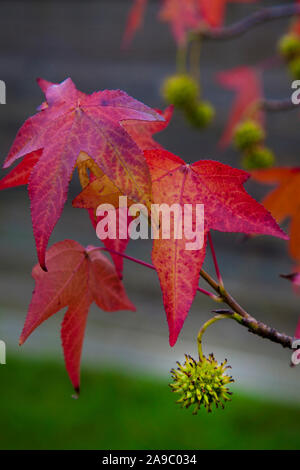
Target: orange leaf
{"points": [[284, 200]]}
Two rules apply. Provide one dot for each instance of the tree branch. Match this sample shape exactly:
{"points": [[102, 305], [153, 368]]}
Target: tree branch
{"points": [[258, 328], [241, 27], [254, 326], [237, 313]]}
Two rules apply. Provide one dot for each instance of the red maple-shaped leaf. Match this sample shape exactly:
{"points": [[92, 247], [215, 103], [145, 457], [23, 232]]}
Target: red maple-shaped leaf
{"points": [[142, 131], [71, 122], [227, 208], [76, 278], [134, 20], [182, 16], [246, 83], [284, 200], [118, 244], [102, 191], [20, 174]]}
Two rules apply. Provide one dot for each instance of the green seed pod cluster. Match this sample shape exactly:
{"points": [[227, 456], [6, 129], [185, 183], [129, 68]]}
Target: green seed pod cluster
{"points": [[248, 138], [294, 68], [260, 157], [200, 115], [180, 90], [183, 92], [247, 134], [289, 48], [201, 383]]}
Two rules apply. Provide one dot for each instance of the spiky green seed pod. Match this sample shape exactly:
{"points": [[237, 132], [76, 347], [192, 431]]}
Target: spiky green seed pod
{"points": [[201, 383], [180, 90], [294, 68], [200, 115], [247, 134], [289, 46], [260, 157]]}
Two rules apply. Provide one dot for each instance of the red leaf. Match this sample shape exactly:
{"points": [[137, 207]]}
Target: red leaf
{"points": [[21, 173], [182, 16], [246, 82], [284, 200], [134, 20], [75, 122], [76, 278], [102, 191], [141, 131], [118, 244], [227, 208]]}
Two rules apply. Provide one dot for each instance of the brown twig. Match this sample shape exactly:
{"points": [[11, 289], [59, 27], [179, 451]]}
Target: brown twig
{"points": [[254, 326], [241, 27]]}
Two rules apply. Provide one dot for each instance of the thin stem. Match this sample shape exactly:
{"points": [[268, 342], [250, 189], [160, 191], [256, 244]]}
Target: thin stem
{"points": [[150, 266], [207, 324], [241, 27], [181, 60], [237, 313], [195, 51], [217, 269]]}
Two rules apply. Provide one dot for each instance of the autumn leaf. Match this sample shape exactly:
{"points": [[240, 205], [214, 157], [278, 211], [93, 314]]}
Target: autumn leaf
{"points": [[284, 200], [182, 16], [134, 20], [227, 208], [69, 123], [142, 131], [76, 278], [98, 189], [246, 83], [20, 174], [101, 190]]}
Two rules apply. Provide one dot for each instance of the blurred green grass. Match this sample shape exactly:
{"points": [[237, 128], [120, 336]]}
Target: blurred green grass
{"points": [[119, 411]]}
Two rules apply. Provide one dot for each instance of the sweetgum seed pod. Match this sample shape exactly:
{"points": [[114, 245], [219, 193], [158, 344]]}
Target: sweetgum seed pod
{"points": [[248, 134], [209, 382], [289, 46], [294, 68], [260, 157], [200, 115], [180, 90]]}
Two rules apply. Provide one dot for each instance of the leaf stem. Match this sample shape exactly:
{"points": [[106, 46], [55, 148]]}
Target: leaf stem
{"points": [[150, 266], [204, 327], [181, 59], [238, 313], [217, 269]]}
